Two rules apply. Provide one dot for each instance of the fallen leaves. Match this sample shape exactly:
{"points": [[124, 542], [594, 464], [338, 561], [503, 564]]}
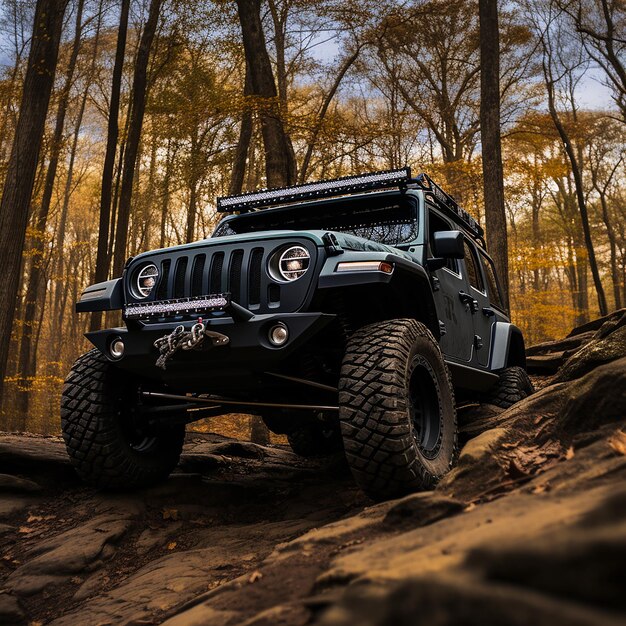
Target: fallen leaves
{"points": [[171, 514], [172, 545]]}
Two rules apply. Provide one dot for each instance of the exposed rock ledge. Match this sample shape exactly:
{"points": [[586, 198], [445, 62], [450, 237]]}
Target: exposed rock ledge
{"points": [[529, 528]]}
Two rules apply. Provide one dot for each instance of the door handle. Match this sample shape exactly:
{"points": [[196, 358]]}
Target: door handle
{"points": [[488, 312], [468, 301]]}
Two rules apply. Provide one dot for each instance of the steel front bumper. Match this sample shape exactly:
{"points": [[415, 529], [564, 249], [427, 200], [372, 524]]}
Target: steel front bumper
{"points": [[249, 348]]}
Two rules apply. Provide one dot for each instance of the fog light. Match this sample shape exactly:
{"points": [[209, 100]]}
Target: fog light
{"points": [[278, 335], [116, 348]]}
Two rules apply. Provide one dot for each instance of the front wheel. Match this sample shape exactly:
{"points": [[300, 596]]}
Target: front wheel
{"points": [[397, 409], [104, 442]]}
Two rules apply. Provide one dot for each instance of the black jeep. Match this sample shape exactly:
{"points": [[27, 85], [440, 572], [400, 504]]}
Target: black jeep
{"points": [[346, 313]]}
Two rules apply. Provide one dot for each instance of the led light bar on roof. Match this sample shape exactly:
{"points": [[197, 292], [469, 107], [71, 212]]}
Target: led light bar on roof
{"points": [[323, 189]]}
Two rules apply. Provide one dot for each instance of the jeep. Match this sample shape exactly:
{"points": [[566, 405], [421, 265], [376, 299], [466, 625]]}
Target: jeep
{"points": [[346, 313]]}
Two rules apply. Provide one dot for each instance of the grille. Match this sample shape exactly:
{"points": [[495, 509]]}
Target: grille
{"points": [[197, 276], [179, 278], [234, 269], [254, 277]]}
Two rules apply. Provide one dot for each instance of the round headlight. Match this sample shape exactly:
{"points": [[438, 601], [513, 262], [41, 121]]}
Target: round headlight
{"points": [[292, 263], [146, 280]]}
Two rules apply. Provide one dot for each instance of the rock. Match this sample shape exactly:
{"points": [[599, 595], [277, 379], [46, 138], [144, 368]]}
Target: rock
{"points": [[548, 357], [445, 600], [597, 398], [19, 485], [597, 323], [11, 613], [610, 347], [421, 509], [478, 468], [553, 562], [81, 549], [10, 505], [43, 458]]}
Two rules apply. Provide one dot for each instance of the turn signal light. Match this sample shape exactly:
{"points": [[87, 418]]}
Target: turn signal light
{"points": [[366, 266]]}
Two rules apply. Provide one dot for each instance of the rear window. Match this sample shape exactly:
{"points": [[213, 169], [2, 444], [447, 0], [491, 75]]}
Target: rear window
{"points": [[390, 219]]}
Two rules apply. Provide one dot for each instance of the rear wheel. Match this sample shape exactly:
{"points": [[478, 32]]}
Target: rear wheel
{"points": [[105, 443], [397, 409], [514, 385], [308, 437], [315, 439]]}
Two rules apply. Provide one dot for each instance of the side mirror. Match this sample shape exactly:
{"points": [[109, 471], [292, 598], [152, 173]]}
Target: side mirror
{"points": [[448, 244]]}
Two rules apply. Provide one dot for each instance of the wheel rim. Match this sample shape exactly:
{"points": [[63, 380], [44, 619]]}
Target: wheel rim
{"points": [[424, 407]]}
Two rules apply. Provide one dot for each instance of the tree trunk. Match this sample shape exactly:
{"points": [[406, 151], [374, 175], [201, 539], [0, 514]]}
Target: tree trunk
{"points": [[578, 185], [137, 110], [493, 178], [280, 167], [102, 256], [243, 143], [35, 291], [22, 166]]}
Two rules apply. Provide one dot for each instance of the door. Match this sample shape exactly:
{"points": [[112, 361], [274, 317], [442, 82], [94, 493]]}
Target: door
{"points": [[456, 317], [483, 315]]}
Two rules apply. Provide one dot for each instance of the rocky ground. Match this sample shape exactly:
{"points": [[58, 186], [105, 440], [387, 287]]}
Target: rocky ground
{"points": [[529, 528]]}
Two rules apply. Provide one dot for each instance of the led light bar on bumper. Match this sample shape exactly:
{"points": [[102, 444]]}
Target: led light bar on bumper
{"points": [[323, 189], [172, 308]]}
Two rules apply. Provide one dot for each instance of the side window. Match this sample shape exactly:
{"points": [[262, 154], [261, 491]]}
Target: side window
{"points": [[474, 276], [437, 224], [492, 282]]}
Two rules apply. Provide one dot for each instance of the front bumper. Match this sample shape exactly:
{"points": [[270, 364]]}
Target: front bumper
{"points": [[249, 349]]}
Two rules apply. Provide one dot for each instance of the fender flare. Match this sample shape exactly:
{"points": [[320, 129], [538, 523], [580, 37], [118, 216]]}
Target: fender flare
{"points": [[507, 338]]}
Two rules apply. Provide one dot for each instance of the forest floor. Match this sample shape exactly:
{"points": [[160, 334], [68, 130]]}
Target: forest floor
{"points": [[530, 527]]}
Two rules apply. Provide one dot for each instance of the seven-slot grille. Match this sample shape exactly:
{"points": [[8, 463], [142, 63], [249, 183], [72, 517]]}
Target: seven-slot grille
{"points": [[234, 269]]}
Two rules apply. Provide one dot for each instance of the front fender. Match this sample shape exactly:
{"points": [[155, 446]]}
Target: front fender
{"points": [[107, 296]]}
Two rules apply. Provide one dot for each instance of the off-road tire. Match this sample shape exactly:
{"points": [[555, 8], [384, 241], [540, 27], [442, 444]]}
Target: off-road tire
{"points": [[384, 367], [314, 439], [93, 414], [514, 385]]}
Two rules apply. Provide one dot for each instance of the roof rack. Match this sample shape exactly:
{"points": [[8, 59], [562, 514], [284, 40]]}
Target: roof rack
{"points": [[448, 202], [247, 202], [387, 179]]}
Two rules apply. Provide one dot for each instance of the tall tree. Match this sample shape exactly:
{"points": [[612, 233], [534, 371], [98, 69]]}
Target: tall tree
{"points": [[102, 257], [555, 47], [137, 110], [22, 167], [243, 142], [493, 177], [280, 166], [27, 363]]}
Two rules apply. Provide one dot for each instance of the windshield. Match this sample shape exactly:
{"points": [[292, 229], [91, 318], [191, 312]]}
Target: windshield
{"points": [[390, 219]]}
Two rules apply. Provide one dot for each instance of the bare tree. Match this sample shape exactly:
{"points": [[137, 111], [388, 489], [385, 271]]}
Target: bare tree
{"points": [[601, 24], [22, 167], [557, 67]]}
